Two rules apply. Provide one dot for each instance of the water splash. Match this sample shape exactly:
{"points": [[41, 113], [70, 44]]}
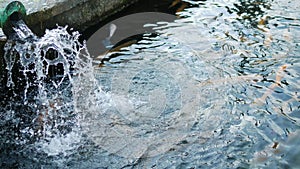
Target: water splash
{"points": [[39, 87]]}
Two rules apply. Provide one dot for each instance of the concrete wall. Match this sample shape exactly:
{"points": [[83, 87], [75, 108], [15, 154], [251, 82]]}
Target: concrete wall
{"points": [[78, 14]]}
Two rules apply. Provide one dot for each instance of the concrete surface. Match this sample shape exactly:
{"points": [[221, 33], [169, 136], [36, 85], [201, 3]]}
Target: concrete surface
{"points": [[78, 14]]}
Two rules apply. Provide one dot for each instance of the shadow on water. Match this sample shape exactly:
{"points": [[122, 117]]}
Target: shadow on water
{"points": [[217, 86], [128, 19], [165, 6]]}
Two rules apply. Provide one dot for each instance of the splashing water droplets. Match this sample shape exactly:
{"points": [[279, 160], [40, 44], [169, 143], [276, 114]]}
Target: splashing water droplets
{"points": [[41, 78]]}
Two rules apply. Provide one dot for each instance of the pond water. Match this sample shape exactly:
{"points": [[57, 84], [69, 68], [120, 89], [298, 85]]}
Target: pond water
{"points": [[215, 88]]}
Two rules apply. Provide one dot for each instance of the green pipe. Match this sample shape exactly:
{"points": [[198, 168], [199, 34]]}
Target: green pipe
{"points": [[9, 13], [13, 11]]}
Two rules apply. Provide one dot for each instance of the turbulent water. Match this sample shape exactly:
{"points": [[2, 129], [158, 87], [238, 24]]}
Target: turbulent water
{"points": [[217, 88], [39, 112]]}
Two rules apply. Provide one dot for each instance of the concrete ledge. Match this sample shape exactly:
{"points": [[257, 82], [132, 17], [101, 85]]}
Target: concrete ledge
{"points": [[78, 14]]}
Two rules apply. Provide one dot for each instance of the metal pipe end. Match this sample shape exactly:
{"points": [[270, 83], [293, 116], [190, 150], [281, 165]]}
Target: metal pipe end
{"points": [[14, 11]]}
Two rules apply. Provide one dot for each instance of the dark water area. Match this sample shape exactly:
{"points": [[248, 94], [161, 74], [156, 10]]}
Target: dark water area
{"points": [[217, 86], [131, 21], [164, 6]]}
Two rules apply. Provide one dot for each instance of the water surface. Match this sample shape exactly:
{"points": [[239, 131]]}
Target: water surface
{"points": [[215, 88]]}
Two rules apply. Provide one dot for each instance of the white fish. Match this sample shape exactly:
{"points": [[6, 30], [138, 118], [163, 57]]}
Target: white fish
{"points": [[106, 42]]}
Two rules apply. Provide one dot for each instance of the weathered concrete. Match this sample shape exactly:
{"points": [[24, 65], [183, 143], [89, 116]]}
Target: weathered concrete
{"points": [[78, 14]]}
